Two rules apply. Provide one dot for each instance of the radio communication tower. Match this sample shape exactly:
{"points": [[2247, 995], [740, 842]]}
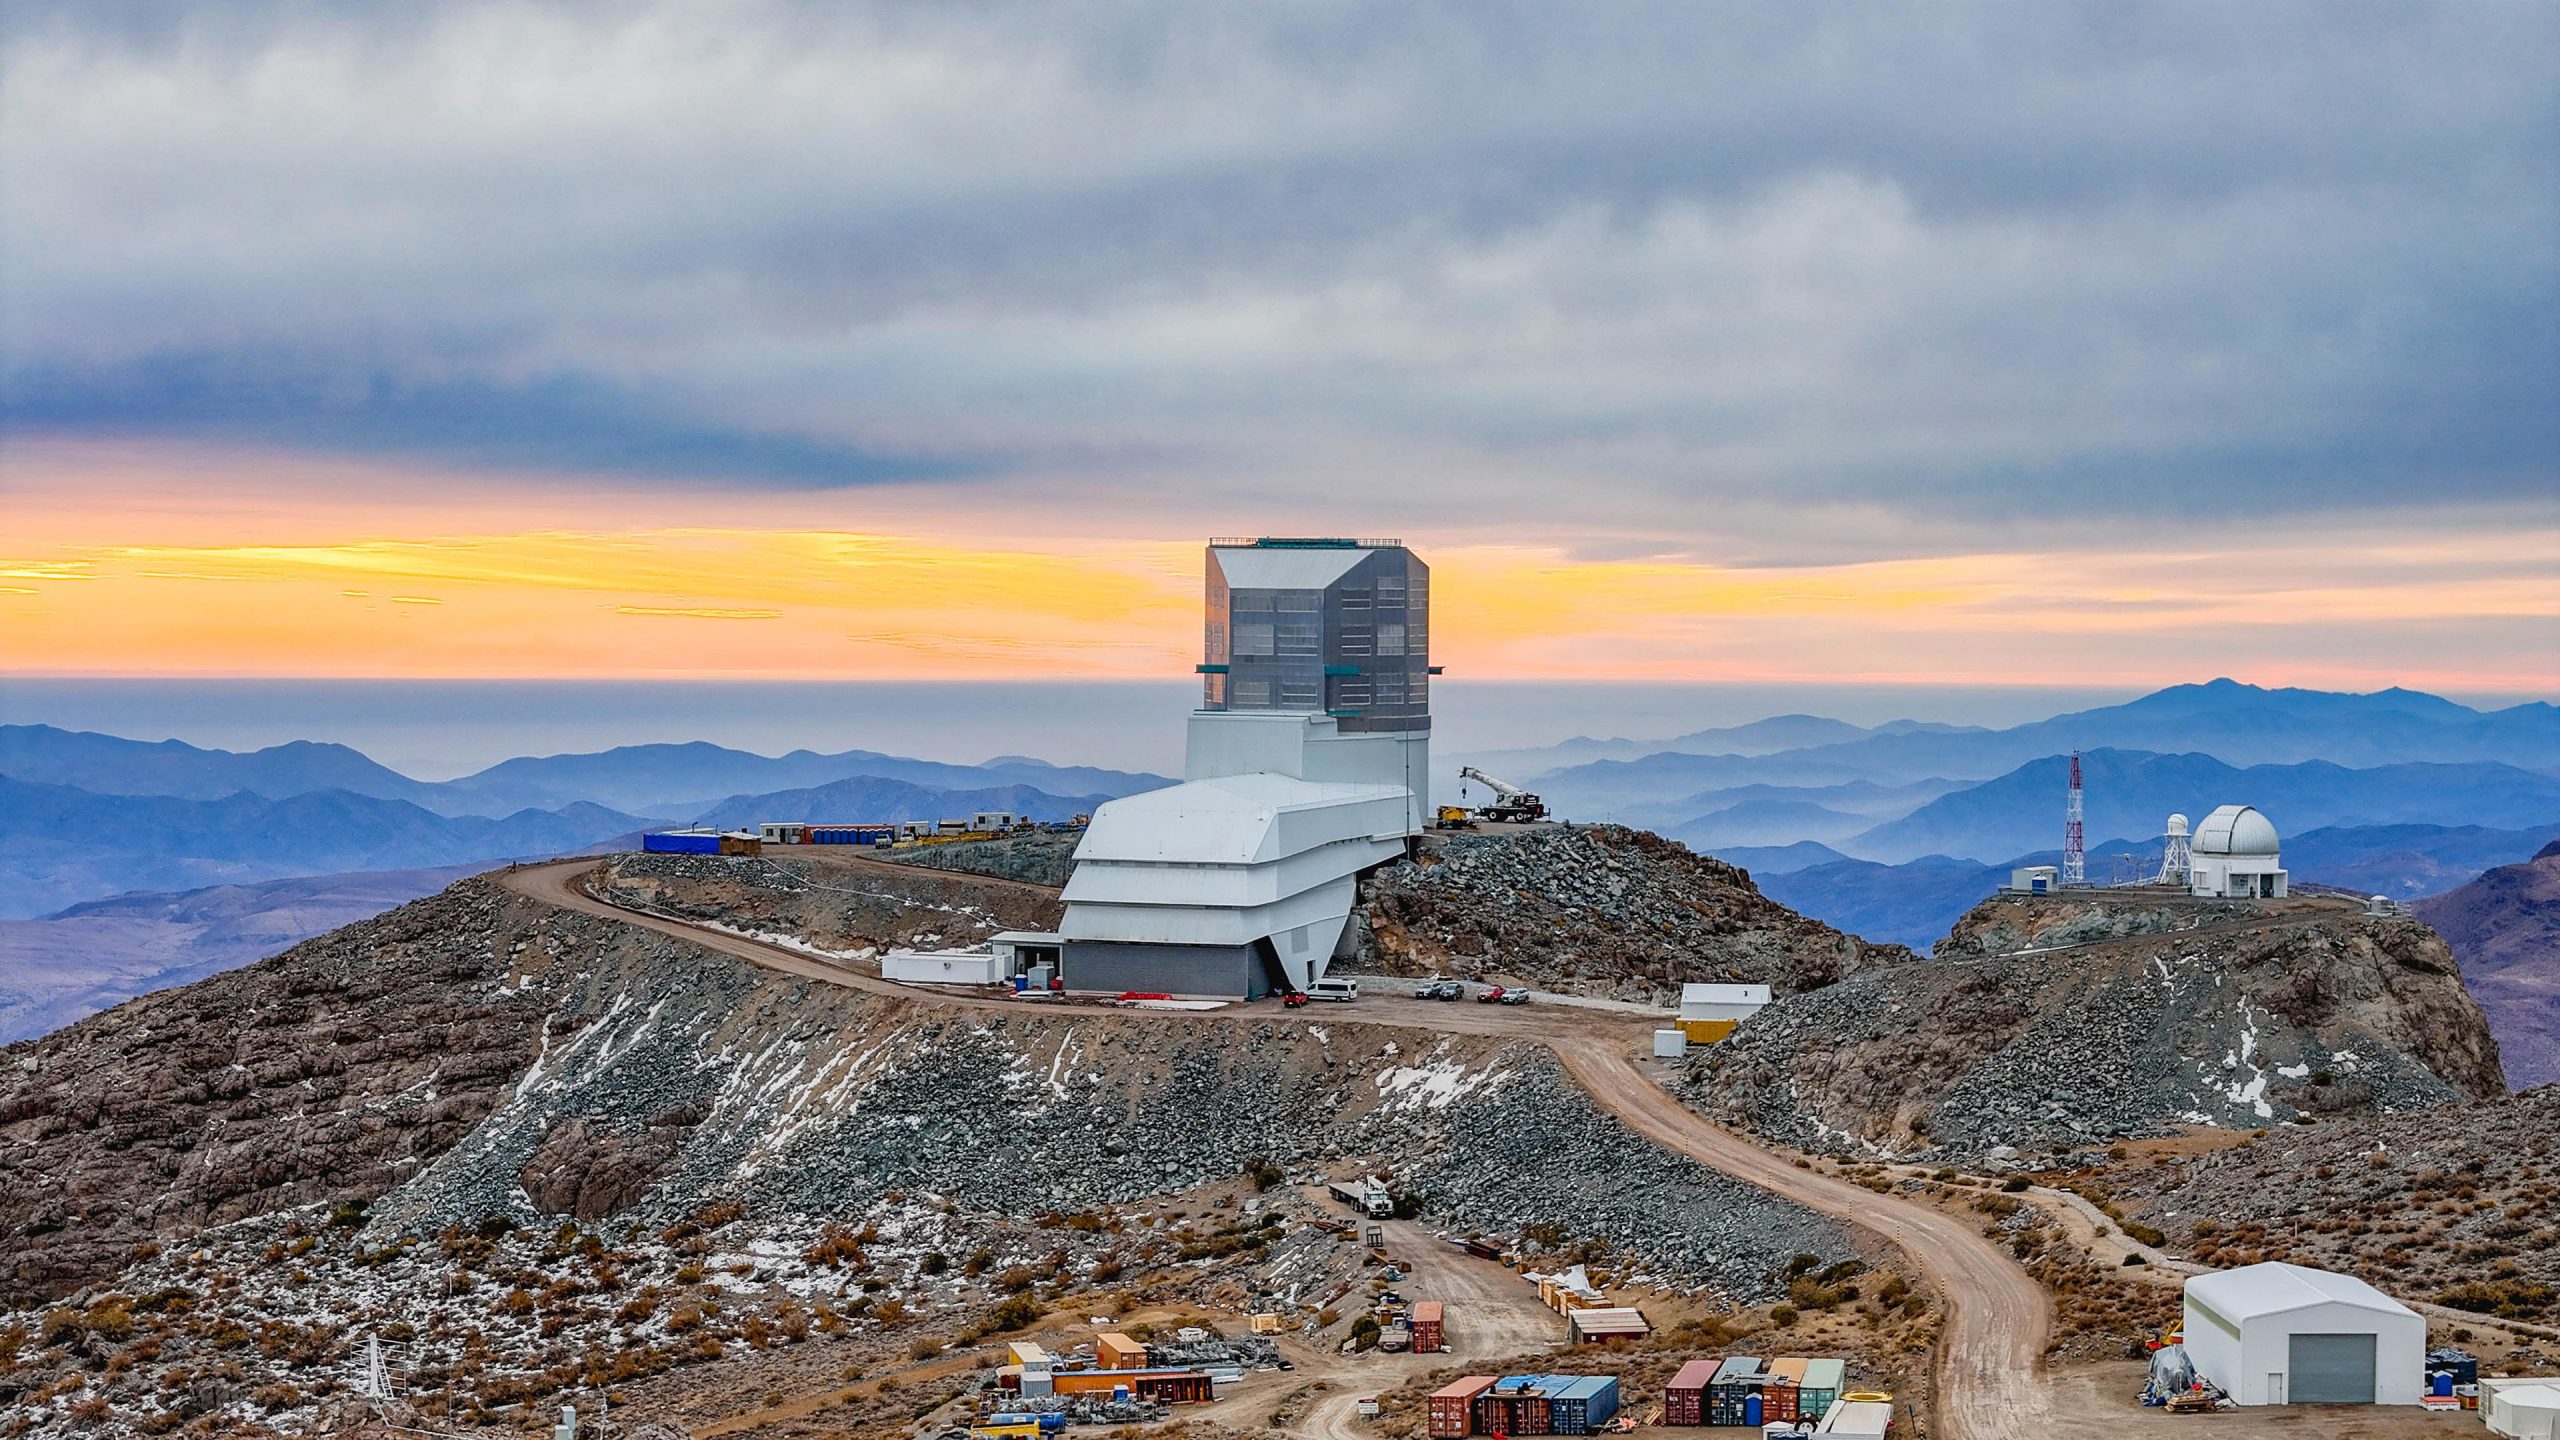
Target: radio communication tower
{"points": [[2075, 864]]}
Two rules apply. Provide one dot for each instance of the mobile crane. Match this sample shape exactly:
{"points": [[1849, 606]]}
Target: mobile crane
{"points": [[1516, 805]]}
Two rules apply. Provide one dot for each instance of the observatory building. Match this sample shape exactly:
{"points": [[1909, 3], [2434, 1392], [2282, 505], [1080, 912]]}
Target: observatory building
{"points": [[1306, 763], [2233, 855]]}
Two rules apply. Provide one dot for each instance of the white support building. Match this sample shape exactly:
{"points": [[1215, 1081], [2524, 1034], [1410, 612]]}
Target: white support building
{"points": [[2277, 1334], [2234, 856], [1306, 763], [1709, 1012]]}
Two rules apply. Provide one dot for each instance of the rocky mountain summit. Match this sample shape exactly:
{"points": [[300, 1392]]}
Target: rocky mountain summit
{"points": [[2505, 929], [1597, 910], [2048, 1024], [538, 1147]]}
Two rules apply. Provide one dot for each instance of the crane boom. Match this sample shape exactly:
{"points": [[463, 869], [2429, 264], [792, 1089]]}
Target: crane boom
{"points": [[1516, 804]]}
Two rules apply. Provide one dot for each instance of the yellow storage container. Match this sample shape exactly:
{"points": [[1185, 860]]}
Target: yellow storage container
{"points": [[1707, 1032]]}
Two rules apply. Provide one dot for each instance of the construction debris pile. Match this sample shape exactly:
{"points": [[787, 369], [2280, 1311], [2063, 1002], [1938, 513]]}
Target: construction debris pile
{"points": [[1044, 857], [1596, 910]]}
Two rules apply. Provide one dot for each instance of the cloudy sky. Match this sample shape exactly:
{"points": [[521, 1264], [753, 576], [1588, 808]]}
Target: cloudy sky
{"points": [[2099, 344]]}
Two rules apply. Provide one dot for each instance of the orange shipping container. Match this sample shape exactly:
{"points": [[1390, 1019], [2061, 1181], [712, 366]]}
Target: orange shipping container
{"points": [[1115, 1351], [1778, 1396], [1452, 1407], [1427, 1337]]}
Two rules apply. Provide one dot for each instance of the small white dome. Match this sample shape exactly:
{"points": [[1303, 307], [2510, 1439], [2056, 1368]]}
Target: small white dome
{"points": [[2177, 825], [2236, 830]]}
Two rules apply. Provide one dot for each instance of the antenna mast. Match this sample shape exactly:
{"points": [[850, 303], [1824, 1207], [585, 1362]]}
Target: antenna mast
{"points": [[2075, 864]]}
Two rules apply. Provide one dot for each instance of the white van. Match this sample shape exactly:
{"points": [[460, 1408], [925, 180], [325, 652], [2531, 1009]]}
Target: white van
{"points": [[1334, 990]]}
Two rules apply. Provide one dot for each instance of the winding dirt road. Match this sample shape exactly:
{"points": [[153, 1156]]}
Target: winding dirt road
{"points": [[1990, 1380]]}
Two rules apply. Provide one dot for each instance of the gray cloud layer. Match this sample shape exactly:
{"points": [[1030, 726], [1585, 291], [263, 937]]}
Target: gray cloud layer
{"points": [[1774, 272]]}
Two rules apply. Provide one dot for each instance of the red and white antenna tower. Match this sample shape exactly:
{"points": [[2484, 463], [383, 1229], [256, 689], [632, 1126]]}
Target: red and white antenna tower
{"points": [[2075, 864]]}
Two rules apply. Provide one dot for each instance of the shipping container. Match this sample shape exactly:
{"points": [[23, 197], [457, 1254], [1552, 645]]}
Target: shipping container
{"points": [[1737, 1383], [1451, 1410], [681, 842], [1786, 1374], [1822, 1383], [1684, 1401], [1427, 1337], [1581, 1404], [1516, 1405]]}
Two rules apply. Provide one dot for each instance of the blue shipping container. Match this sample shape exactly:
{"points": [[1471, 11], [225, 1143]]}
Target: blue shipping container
{"points": [[1581, 1404], [679, 842]]}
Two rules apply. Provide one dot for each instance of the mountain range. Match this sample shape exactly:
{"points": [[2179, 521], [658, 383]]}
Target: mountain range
{"points": [[2240, 725], [2505, 929], [1890, 831]]}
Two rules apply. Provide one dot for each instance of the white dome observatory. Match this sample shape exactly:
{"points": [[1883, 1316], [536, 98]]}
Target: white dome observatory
{"points": [[2236, 856], [2175, 859]]}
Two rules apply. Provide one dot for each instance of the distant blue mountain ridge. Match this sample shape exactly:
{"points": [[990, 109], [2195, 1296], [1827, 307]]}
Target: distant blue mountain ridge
{"points": [[2240, 725], [676, 779]]}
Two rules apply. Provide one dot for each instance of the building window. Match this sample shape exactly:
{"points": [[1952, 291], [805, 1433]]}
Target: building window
{"points": [[1421, 688], [1252, 600], [1390, 639], [1253, 639], [1301, 602], [1213, 692], [1355, 599], [1353, 693], [1389, 687], [1252, 695], [1390, 592], [1299, 641], [1298, 694], [1417, 635]]}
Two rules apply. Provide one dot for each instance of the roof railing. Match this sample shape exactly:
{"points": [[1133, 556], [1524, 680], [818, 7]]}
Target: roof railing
{"points": [[1300, 542]]}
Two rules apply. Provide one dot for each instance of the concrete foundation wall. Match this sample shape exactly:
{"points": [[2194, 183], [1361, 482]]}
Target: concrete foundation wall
{"points": [[1222, 971]]}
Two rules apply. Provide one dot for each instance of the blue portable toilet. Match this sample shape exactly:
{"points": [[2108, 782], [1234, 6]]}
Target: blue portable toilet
{"points": [[1752, 1406]]}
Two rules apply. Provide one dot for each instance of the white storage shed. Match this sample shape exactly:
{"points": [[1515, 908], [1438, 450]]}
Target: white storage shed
{"points": [[943, 967], [2525, 1412], [2277, 1334]]}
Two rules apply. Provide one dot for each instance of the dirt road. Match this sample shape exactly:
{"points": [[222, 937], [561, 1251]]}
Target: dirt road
{"points": [[1989, 1376], [1997, 1318], [558, 883]]}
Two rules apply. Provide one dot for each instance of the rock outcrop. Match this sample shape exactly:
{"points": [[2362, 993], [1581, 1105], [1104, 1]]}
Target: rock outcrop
{"points": [[2106, 1017], [1598, 910]]}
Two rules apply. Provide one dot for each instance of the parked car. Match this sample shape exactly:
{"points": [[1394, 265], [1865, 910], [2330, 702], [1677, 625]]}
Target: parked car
{"points": [[1439, 990], [1491, 995], [1515, 997], [1294, 999]]}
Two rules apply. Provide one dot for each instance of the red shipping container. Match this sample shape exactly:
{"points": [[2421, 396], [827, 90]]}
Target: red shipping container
{"points": [[1452, 1407], [1684, 1402], [1426, 1328]]}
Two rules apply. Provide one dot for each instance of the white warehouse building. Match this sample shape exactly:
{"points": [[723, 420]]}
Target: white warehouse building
{"points": [[2233, 855], [1305, 764], [2277, 1334]]}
